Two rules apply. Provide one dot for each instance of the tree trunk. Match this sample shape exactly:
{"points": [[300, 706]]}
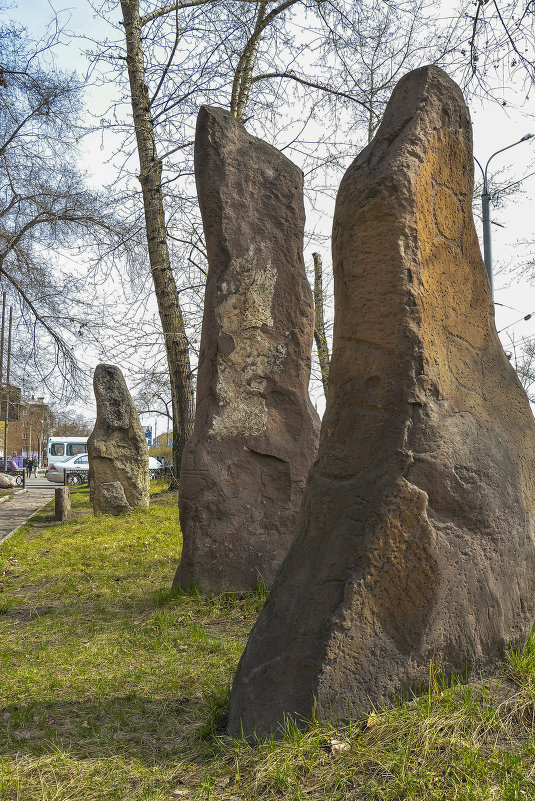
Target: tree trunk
{"points": [[319, 323], [176, 343]]}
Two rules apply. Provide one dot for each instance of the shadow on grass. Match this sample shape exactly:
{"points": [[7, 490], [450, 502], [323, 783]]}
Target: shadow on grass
{"points": [[154, 731], [113, 605]]}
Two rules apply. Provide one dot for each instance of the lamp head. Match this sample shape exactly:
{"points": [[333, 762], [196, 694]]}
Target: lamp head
{"points": [[527, 136]]}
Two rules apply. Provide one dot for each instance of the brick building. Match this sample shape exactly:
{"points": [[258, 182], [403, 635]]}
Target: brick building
{"points": [[29, 434]]}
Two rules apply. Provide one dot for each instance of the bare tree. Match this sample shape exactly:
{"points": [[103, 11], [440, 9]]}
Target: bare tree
{"points": [[522, 356], [68, 423], [150, 177], [152, 392], [45, 209], [499, 51]]}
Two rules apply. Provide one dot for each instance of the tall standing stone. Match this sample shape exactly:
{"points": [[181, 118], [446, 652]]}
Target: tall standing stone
{"points": [[117, 447], [416, 541], [244, 468]]}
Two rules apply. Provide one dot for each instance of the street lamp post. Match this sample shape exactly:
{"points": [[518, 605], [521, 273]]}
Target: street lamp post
{"points": [[485, 209]]}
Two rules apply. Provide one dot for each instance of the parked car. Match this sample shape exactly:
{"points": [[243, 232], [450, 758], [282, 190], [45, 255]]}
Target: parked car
{"points": [[12, 469], [77, 468], [155, 468], [12, 466]]}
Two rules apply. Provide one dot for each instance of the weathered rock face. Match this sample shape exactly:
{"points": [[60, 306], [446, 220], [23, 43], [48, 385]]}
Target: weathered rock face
{"points": [[117, 447], [111, 497], [6, 482], [244, 468], [62, 503], [416, 538]]}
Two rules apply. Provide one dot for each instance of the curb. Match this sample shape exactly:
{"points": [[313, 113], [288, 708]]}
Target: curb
{"points": [[5, 498]]}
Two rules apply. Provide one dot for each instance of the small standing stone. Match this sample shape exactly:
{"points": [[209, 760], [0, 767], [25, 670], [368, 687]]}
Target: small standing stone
{"points": [[117, 447], [62, 503]]}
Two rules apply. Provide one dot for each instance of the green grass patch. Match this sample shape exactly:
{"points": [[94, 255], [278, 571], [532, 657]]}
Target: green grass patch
{"points": [[113, 687]]}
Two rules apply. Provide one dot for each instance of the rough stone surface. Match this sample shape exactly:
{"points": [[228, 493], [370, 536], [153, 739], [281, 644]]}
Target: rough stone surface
{"points": [[244, 468], [110, 496], [416, 539], [117, 447], [6, 482], [62, 503]]}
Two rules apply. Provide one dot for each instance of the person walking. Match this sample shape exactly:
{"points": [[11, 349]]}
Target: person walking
{"points": [[29, 466], [35, 466]]}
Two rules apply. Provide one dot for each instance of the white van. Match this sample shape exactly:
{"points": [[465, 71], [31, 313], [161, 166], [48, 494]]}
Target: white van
{"points": [[59, 449]]}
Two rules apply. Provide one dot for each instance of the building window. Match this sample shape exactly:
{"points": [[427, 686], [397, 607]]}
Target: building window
{"points": [[25, 436], [25, 412]]}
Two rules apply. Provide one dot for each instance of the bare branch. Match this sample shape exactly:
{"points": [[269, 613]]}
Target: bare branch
{"points": [[312, 85], [161, 12]]}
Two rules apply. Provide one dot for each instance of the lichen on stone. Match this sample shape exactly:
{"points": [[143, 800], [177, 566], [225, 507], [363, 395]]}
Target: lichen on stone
{"points": [[244, 314]]}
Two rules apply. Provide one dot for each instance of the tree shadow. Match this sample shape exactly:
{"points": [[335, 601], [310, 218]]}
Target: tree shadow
{"points": [[154, 731]]}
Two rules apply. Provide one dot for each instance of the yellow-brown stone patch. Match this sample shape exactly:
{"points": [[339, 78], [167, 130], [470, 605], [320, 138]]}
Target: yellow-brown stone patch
{"points": [[448, 213], [453, 302]]}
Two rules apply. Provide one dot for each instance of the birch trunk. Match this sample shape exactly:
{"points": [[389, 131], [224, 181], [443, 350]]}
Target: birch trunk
{"points": [[176, 343], [319, 323]]}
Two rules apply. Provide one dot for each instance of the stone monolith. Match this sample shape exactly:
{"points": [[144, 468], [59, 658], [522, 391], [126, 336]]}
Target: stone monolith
{"points": [[416, 538], [117, 447], [244, 468]]}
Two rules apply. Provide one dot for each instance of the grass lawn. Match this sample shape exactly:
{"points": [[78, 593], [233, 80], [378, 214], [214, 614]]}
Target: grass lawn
{"points": [[112, 689]]}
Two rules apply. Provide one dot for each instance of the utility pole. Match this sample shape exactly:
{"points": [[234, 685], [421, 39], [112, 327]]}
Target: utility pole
{"points": [[485, 210]]}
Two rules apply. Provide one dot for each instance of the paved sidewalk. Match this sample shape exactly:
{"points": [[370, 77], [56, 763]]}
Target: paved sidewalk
{"points": [[17, 510], [40, 483]]}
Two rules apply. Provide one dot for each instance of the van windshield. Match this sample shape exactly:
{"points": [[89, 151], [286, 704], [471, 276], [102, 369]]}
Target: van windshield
{"points": [[74, 448]]}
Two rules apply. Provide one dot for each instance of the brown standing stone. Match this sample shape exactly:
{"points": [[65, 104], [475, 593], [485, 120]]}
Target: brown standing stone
{"points": [[117, 447], [244, 468], [62, 503], [416, 541]]}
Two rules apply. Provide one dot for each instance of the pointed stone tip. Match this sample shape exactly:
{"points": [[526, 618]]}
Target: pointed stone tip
{"points": [[427, 93]]}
